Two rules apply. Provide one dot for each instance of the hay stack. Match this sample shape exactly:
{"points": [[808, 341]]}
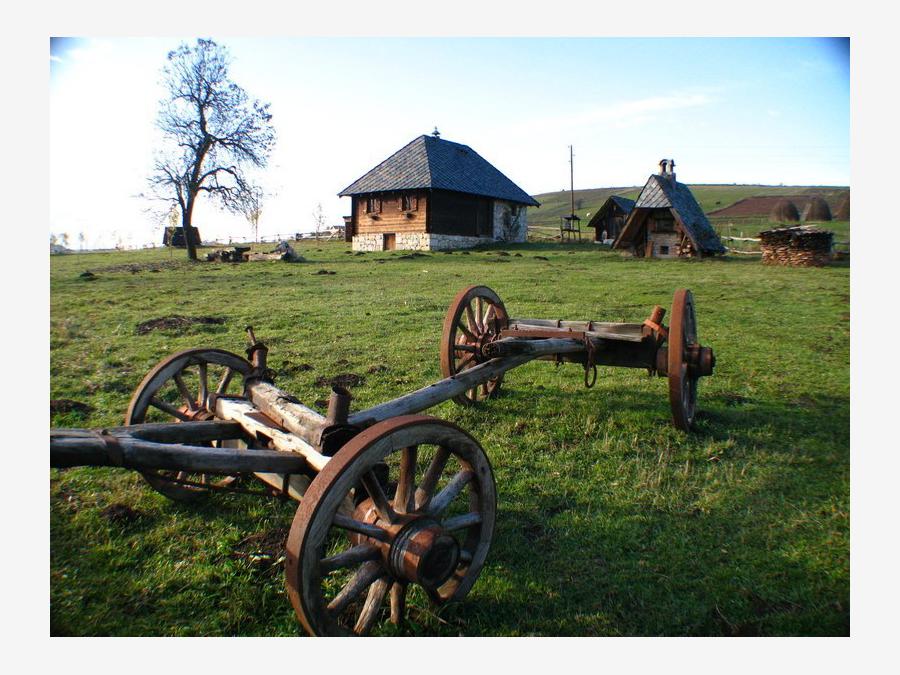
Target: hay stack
{"points": [[843, 209], [785, 211], [796, 246], [818, 211]]}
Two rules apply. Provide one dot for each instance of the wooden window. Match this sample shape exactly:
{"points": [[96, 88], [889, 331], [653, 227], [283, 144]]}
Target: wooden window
{"points": [[373, 204], [664, 250], [409, 202]]}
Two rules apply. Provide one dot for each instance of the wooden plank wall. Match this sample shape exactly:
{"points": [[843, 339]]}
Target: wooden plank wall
{"points": [[391, 217]]}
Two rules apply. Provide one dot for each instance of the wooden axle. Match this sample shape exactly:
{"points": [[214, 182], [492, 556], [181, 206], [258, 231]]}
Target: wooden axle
{"points": [[118, 447]]}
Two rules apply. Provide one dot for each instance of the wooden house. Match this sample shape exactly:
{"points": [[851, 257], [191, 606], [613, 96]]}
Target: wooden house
{"points": [[434, 194], [667, 222], [611, 217]]}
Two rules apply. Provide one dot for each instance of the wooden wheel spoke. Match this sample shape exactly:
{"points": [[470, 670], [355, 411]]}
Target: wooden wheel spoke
{"points": [[376, 492], [352, 556], [369, 613], [479, 314], [203, 394], [431, 477], [469, 334], [398, 602], [472, 320], [365, 529], [463, 521], [159, 404], [222, 387], [485, 390], [404, 493], [442, 500], [465, 362], [364, 577], [463, 347], [490, 314], [185, 392]]}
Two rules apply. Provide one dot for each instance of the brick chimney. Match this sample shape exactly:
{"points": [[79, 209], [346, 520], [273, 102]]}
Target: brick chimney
{"points": [[672, 170]]}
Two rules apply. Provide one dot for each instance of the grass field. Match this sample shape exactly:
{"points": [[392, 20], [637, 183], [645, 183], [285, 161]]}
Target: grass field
{"points": [[610, 521]]}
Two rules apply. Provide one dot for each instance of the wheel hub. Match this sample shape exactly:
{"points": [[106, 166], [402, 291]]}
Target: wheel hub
{"points": [[418, 549]]}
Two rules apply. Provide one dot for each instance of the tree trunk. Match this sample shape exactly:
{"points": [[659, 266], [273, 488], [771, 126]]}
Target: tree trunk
{"points": [[186, 226]]}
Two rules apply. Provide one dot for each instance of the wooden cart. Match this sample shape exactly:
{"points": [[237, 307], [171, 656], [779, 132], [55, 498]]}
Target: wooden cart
{"points": [[389, 499]]}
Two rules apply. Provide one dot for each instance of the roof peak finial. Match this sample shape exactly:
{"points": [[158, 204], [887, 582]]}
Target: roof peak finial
{"points": [[436, 133]]}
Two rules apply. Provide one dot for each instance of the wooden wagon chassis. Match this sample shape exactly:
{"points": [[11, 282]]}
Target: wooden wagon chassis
{"points": [[390, 500]]}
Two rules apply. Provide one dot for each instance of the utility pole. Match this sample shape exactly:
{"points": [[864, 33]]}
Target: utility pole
{"points": [[572, 178]]}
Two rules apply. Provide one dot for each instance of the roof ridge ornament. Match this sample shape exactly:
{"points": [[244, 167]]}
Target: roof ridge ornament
{"points": [[436, 133]]}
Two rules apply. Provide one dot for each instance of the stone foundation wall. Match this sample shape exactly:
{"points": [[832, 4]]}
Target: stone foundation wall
{"points": [[417, 241], [518, 228], [368, 242]]}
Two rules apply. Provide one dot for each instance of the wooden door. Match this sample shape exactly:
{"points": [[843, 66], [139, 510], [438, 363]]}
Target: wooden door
{"points": [[390, 241]]}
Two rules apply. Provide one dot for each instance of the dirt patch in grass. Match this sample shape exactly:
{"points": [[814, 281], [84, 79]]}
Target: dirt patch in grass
{"points": [[377, 368], [265, 549], [326, 272], [732, 399], [176, 322], [65, 405], [121, 514], [134, 268], [342, 380]]}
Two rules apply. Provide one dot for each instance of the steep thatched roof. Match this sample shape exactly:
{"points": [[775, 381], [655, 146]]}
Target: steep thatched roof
{"points": [[818, 211], [785, 211], [843, 209]]}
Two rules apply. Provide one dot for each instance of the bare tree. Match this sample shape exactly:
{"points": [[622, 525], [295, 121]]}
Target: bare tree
{"points": [[253, 210], [81, 241], [213, 132], [64, 239], [319, 220]]}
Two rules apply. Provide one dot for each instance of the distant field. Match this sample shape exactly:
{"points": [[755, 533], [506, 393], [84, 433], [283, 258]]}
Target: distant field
{"points": [[610, 521]]}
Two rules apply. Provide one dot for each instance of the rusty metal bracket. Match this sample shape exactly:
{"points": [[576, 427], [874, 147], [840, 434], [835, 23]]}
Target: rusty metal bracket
{"points": [[590, 362]]}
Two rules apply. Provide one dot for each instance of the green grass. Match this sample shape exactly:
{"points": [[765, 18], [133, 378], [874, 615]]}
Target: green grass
{"points": [[610, 521]]}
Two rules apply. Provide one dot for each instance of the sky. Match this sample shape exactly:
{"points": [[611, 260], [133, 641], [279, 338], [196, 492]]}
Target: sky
{"points": [[728, 110]]}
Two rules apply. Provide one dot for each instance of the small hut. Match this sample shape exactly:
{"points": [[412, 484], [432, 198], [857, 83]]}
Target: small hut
{"points": [[667, 221], [843, 209], [611, 217], [174, 236], [785, 211], [797, 246], [817, 211]]}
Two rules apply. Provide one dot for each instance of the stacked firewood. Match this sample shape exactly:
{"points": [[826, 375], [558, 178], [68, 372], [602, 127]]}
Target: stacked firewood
{"points": [[796, 246]]}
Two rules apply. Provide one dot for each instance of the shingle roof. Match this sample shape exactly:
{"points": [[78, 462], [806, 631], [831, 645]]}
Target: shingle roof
{"points": [[660, 192], [429, 162], [622, 202]]}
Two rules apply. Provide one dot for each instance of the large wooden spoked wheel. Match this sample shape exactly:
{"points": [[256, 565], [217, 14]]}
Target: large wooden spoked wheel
{"points": [[367, 546], [177, 389], [475, 317], [682, 378]]}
